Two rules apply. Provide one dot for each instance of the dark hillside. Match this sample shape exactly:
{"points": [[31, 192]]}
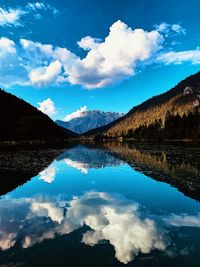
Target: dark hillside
{"points": [[172, 115], [21, 121]]}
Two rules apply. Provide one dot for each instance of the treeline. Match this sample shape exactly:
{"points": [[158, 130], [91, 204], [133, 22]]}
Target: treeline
{"points": [[171, 115], [173, 127]]}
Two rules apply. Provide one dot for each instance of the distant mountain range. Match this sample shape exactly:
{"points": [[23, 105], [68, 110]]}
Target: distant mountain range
{"points": [[172, 115], [88, 120], [21, 121]]}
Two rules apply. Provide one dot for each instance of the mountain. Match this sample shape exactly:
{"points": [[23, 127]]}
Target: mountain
{"points": [[21, 121], [88, 120], [171, 115]]}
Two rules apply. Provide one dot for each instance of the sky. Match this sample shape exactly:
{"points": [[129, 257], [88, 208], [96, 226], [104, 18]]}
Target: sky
{"points": [[66, 56]]}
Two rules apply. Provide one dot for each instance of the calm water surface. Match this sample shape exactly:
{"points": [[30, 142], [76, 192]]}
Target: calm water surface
{"points": [[107, 206]]}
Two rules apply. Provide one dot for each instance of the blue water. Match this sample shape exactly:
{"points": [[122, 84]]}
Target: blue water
{"points": [[97, 211]]}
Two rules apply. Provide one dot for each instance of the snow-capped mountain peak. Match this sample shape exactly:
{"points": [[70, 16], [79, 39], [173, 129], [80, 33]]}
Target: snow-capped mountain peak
{"points": [[76, 114], [83, 120]]}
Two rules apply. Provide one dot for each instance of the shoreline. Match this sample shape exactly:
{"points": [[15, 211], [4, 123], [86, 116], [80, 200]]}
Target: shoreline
{"points": [[61, 143]]}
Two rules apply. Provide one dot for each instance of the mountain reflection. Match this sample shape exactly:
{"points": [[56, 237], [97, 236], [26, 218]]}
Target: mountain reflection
{"points": [[84, 158], [77, 215], [48, 174], [177, 165], [19, 166], [127, 226]]}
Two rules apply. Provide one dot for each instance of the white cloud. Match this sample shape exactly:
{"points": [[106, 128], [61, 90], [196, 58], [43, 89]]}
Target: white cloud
{"points": [[112, 215], [48, 175], [122, 54], [48, 107], [190, 56], [10, 16], [183, 220], [76, 114], [170, 29], [35, 6], [108, 216], [7, 46], [58, 59], [116, 58], [104, 64], [7, 240], [88, 43], [178, 29], [47, 209], [32, 47], [45, 75], [105, 215]]}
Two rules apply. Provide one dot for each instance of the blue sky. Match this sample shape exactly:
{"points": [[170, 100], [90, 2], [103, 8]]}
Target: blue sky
{"points": [[108, 55]]}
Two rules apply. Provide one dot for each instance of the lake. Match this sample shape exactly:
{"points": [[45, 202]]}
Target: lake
{"points": [[100, 205]]}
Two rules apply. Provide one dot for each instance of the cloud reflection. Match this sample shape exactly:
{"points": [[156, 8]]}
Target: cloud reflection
{"points": [[83, 158], [123, 223]]}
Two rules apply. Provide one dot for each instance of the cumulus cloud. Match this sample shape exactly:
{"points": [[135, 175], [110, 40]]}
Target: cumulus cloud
{"points": [[123, 223], [10, 16], [120, 55], [48, 52], [112, 215], [57, 62], [104, 64], [103, 213], [115, 58], [190, 56], [48, 175], [45, 75], [47, 209], [76, 114], [88, 43], [47, 106], [30, 46], [7, 46], [11, 71]]}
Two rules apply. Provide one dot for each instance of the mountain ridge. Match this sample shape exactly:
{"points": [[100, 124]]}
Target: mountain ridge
{"points": [[177, 103], [88, 120]]}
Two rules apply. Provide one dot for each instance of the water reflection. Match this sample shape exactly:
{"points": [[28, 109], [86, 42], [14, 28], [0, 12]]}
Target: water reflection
{"points": [[128, 227], [84, 158], [48, 175], [105, 214], [177, 165], [17, 167]]}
